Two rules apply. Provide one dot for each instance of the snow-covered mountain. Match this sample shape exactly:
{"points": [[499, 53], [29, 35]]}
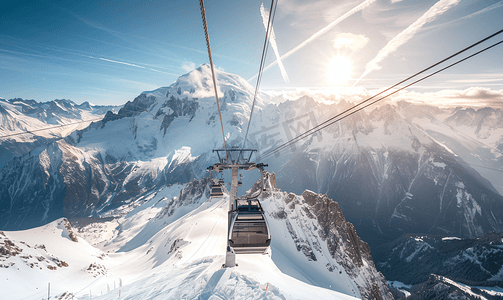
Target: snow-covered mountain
{"points": [[394, 169], [18, 116], [392, 173], [439, 287], [152, 141], [412, 258], [172, 247]]}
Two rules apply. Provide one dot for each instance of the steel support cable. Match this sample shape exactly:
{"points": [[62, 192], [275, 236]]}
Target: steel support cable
{"points": [[75, 123], [63, 125], [49, 128], [460, 132], [272, 13], [380, 93], [479, 166], [205, 25], [410, 77], [332, 121], [83, 121], [262, 188]]}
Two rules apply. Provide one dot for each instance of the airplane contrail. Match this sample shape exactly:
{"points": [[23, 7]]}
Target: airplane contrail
{"points": [[361, 6], [117, 62], [272, 41], [73, 52], [484, 10], [436, 10], [123, 63], [123, 36]]}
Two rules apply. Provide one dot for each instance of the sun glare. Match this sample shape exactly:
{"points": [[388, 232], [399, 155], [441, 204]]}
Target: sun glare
{"points": [[339, 71]]}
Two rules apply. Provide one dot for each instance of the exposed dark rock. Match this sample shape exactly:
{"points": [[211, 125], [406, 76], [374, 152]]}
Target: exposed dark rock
{"points": [[177, 108], [175, 246], [236, 121], [69, 229], [96, 269], [191, 194], [313, 221], [137, 106], [59, 263], [110, 116], [231, 94], [40, 247], [8, 248], [130, 109]]}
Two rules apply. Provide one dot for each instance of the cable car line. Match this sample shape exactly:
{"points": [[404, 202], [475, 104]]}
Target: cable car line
{"points": [[322, 126], [78, 122], [334, 119], [270, 21], [460, 132], [205, 25], [410, 77], [49, 128], [248, 231]]}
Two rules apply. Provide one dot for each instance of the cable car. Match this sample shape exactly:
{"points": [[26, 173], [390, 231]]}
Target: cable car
{"points": [[249, 233], [217, 191]]}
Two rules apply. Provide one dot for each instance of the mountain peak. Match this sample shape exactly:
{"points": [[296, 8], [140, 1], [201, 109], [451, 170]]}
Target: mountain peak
{"points": [[199, 82]]}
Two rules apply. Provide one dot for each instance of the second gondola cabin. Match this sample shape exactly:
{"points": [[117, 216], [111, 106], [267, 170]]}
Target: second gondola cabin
{"points": [[217, 191]]}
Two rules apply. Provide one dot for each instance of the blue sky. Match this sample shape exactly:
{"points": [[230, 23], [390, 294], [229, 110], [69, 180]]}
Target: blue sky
{"points": [[108, 52]]}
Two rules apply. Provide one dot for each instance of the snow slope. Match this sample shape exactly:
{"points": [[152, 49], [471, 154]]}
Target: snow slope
{"points": [[172, 248]]}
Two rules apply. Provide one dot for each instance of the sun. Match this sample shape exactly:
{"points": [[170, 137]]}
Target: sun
{"points": [[339, 71]]}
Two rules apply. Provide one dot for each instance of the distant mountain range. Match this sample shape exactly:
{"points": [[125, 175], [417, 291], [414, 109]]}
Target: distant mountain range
{"points": [[412, 258], [396, 168], [18, 116]]}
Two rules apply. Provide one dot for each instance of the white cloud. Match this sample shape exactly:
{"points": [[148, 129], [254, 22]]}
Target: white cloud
{"points": [[327, 95], [350, 41], [478, 93], [471, 97], [188, 66]]}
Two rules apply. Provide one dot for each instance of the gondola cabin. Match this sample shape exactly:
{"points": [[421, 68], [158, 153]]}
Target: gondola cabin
{"points": [[217, 191], [249, 230]]}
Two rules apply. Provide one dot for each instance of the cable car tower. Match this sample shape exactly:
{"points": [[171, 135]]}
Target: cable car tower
{"points": [[248, 232]]}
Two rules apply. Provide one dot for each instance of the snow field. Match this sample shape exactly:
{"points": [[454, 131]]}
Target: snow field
{"points": [[163, 256]]}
